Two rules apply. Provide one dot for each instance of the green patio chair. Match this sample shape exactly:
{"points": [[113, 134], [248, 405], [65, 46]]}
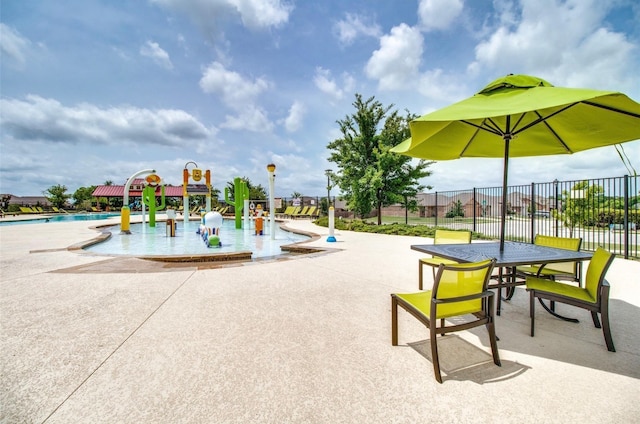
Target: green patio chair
{"points": [[570, 271], [594, 297], [459, 289], [442, 237]]}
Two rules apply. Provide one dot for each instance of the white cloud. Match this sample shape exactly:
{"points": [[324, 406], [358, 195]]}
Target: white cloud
{"points": [[207, 14], [396, 63], [293, 122], [325, 82], [353, 26], [262, 13], [13, 45], [580, 54], [235, 90], [438, 14], [249, 118], [153, 51], [37, 119]]}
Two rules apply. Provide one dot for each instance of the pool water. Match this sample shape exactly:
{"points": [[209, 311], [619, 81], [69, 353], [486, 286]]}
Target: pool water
{"points": [[64, 218], [148, 241]]}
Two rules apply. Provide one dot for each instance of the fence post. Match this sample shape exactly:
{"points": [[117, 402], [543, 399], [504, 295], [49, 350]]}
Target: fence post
{"points": [[556, 211], [436, 209], [626, 217], [474, 209], [532, 212]]}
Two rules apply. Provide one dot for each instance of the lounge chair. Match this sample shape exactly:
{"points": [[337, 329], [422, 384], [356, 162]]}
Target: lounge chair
{"points": [[287, 212], [459, 289], [24, 209], [442, 237], [311, 212], [296, 210], [301, 213], [594, 297]]}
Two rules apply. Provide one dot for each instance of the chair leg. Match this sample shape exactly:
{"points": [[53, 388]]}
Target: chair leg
{"points": [[494, 344], [596, 321], [394, 321], [434, 353], [532, 311], [606, 329]]}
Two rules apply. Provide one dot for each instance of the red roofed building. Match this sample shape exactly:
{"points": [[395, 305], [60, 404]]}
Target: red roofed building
{"points": [[117, 191]]}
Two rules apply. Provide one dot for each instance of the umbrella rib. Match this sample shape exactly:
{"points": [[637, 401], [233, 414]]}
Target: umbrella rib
{"points": [[555, 134], [495, 131], [543, 118], [612, 109]]}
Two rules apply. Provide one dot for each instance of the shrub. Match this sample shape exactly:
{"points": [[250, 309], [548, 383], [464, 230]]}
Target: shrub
{"points": [[390, 229]]}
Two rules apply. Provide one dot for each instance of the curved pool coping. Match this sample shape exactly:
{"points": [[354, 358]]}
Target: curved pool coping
{"points": [[241, 256]]}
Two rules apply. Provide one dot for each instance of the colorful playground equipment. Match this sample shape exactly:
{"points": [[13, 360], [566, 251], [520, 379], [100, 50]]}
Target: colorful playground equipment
{"points": [[209, 229], [149, 197], [240, 194], [259, 221], [125, 215], [187, 189]]}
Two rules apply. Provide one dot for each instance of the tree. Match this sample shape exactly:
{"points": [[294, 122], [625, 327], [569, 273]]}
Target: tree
{"points": [[82, 197], [255, 192], [456, 210], [580, 206], [369, 175], [57, 195]]}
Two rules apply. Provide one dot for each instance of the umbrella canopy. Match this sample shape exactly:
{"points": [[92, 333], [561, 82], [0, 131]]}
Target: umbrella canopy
{"points": [[522, 115]]}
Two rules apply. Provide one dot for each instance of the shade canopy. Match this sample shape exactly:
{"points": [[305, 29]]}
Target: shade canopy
{"points": [[538, 118], [522, 115]]}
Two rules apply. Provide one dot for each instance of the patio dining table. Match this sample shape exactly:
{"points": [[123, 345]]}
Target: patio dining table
{"points": [[513, 255]]}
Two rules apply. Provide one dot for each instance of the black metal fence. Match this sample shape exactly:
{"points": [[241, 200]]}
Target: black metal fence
{"points": [[603, 212]]}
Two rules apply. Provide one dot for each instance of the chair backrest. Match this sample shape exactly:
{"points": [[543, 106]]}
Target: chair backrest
{"points": [[452, 237], [566, 243], [461, 280], [598, 266]]}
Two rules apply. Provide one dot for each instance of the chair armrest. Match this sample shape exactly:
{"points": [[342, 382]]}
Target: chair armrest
{"points": [[484, 294]]}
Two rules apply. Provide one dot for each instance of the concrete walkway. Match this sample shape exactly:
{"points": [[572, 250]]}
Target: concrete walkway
{"points": [[91, 339]]}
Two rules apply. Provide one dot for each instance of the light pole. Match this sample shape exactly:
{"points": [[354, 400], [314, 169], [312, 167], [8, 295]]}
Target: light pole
{"points": [[271, 169], [328, 172]]}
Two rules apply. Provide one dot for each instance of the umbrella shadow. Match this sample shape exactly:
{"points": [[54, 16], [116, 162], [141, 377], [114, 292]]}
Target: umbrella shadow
{"points": [[463, 361]]}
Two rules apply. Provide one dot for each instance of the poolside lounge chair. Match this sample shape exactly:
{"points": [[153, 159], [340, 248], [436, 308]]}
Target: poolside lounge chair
{"points": [[301, 213], [442, 237], [459, 289], [311, 212], [25, 209], [594, 297], [296, 210], [288, 211]]}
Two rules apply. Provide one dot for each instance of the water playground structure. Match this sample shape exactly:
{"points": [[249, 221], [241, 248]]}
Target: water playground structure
{"points": [[211, 222]]}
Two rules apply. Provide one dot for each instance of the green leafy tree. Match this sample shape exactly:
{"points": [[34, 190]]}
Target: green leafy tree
{"points": [[456, 210], [580, 207], [256, 192], [82, 197], [57, 195], [369, 175]]}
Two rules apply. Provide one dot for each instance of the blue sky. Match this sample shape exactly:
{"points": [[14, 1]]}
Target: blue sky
{"points": [[93, 90]]}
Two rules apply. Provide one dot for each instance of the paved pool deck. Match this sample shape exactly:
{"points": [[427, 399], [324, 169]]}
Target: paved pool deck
{"points": [[306, 339]]}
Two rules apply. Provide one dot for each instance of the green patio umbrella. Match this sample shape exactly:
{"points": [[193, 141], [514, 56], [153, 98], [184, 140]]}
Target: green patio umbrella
{"points": [[522, 115]]}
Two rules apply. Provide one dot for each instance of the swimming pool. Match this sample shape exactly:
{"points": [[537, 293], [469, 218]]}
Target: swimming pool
{"points": [[145, 241], [64, 218]]}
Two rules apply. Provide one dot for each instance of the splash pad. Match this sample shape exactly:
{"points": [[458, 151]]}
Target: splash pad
{"points": [[187, 246]]}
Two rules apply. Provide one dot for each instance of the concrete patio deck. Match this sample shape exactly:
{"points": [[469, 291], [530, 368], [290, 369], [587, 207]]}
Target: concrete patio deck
{"points": [[91, 339]]}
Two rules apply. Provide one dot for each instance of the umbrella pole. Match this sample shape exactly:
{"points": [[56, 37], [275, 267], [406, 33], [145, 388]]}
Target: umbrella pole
{"points": [[503, 221]]}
